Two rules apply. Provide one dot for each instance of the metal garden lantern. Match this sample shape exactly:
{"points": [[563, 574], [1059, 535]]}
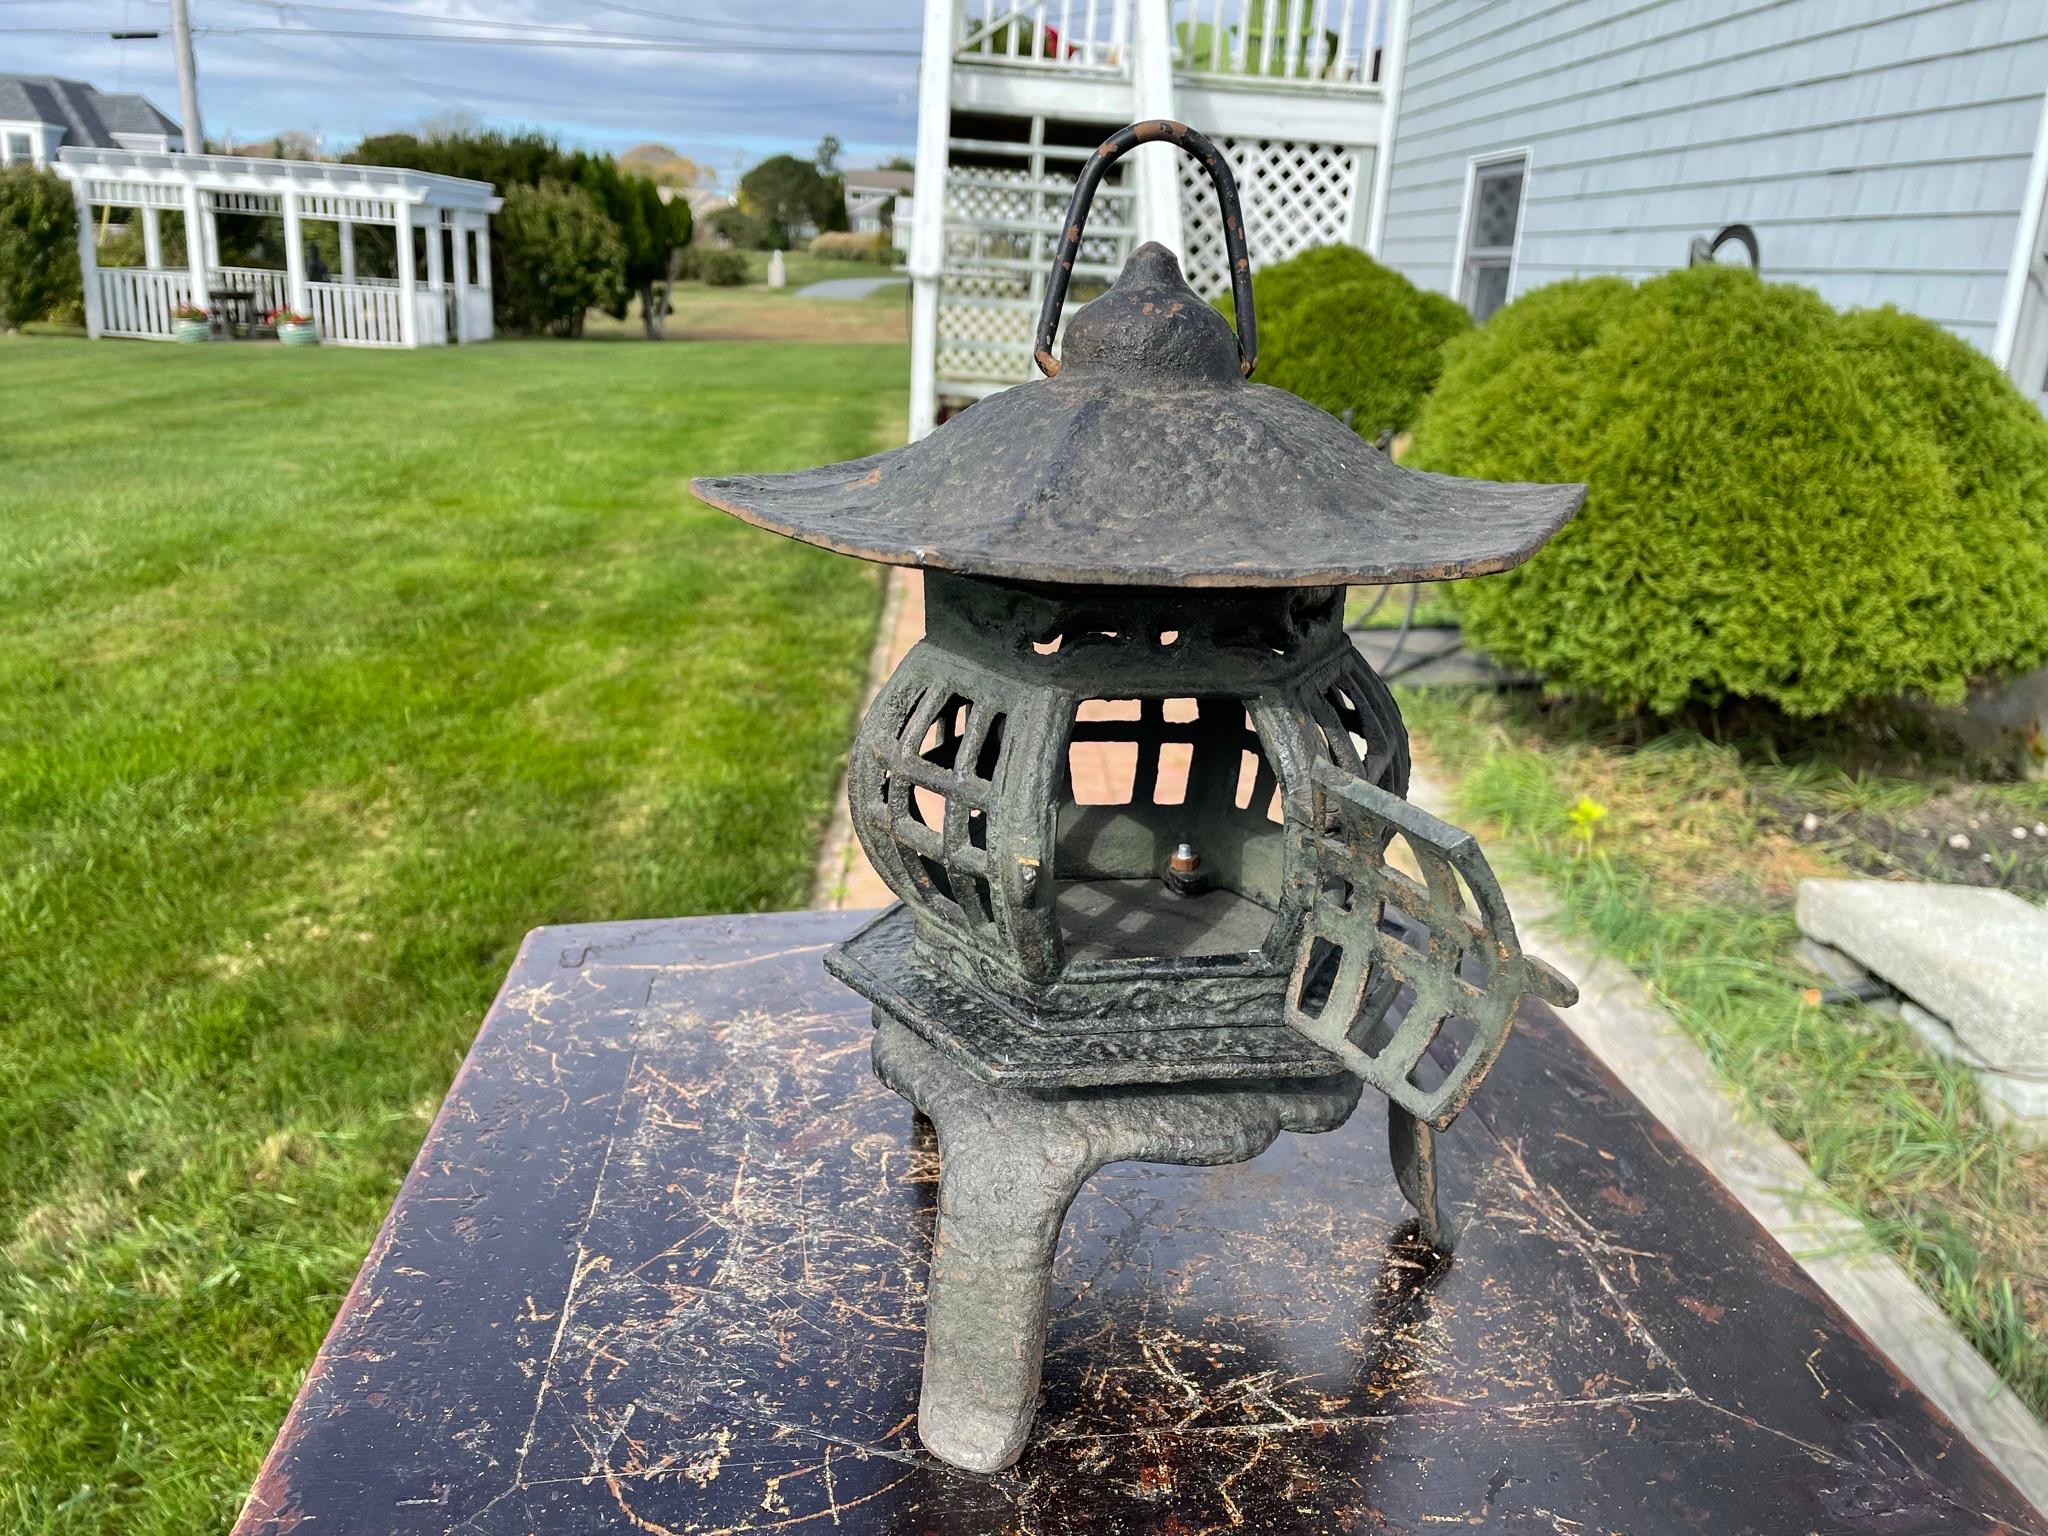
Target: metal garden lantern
{"points": [[1141, 798]]}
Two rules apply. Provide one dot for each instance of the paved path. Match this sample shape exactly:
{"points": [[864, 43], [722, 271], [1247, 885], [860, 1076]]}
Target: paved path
{"points": [[848, 287]]}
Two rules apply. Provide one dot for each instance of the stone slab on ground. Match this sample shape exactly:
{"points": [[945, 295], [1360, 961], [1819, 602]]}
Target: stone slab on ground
{"points": [[660, 1267], [1973, 957], [2020, 1103]]}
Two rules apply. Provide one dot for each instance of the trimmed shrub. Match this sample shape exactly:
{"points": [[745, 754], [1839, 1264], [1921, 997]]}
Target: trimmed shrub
{"points": [[38, 247], [718, 266], [848, 247], [1348, 334], [562, 257], [1786, 504]]}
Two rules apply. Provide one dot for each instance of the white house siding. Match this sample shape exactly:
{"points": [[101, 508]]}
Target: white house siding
{"points": [[1880, 148]]}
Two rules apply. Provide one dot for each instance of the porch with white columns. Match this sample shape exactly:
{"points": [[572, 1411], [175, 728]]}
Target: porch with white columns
{"points": [[355, 310]]}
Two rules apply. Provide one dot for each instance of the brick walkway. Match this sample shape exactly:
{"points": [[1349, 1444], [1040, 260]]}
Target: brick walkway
{"points": [[845, 881]]}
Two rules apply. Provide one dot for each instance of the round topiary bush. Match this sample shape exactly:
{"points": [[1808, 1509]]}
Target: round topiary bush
{"points": [[1348, 334], [1785, 503]]}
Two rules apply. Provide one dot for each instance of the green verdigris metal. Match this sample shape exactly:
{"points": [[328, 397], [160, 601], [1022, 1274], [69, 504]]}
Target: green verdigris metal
{"points": [[1135, 578]]}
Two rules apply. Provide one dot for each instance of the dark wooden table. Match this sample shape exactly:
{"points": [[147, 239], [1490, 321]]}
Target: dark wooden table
{"points": [[659, 1268]]}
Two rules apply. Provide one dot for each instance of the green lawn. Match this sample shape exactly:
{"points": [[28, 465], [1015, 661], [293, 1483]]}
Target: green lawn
{"points": [[324, 676], [1683, 860]]}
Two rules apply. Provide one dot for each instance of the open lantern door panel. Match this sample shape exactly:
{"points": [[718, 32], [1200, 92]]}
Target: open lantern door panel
{"points": [[1376, 934]]}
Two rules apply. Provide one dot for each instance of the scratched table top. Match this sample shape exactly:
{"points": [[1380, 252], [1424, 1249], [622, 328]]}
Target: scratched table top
{"points": [[660, 1266]]}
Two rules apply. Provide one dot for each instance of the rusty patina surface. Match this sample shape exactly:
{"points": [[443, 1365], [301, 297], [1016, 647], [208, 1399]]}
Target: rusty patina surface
{"points": [[661, 1265]]}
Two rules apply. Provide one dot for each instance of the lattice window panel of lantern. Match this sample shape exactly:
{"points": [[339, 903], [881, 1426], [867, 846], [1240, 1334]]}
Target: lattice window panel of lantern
{"points": [[938, 795], [1295, 196], [1142, 776], [1359, 723]]}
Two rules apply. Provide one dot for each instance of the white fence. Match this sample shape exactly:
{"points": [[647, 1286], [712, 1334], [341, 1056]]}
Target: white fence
{"points": [[1320, 42], [358, 314], [137, 301]]}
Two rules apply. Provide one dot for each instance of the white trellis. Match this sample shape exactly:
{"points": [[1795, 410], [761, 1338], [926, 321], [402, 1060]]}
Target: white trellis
{"points": [[440, 290], [1014, 94], [1001, 227], [1295, 196]]}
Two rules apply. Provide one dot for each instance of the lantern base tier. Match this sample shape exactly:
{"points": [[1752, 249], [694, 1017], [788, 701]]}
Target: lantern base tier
{"points": [[1010, 1164], [1221, 1028]]}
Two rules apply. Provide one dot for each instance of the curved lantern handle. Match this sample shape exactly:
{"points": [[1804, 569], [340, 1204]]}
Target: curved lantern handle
{"points": [[1210, 158]]}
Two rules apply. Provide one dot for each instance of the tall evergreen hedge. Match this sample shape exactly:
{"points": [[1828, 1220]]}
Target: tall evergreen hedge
{"points": [[1348, 334], [1785, 503], [38, 246]]}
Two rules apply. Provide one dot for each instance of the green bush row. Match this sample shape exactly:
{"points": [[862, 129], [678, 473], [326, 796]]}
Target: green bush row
{"points": [[1354, 337], [1785, 503]]}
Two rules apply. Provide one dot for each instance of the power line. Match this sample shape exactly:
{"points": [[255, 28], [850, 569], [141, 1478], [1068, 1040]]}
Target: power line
{"points": [[622, 41], [445, 18], [440, 90], [718, 21]]}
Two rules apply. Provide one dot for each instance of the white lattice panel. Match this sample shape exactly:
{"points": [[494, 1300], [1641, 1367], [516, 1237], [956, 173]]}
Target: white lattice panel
{"points": [[1001, 227], [1295, 196]]}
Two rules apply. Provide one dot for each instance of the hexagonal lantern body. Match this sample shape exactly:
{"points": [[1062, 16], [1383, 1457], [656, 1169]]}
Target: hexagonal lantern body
{"points": [[1024, 782]]}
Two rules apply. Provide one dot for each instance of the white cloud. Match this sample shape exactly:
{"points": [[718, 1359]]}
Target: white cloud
{"points": [[257, 77]]}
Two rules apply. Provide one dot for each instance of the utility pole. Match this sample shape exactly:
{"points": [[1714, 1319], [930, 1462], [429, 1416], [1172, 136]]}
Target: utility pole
{"points": [[188, 80]]}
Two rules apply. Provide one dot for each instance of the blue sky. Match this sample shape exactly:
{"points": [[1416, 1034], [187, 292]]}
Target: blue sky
{"points": [[600, 74]]}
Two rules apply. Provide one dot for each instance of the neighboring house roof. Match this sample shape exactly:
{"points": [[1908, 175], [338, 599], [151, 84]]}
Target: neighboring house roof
{"points": [[90, 118], [702, 200], [894, 183]]}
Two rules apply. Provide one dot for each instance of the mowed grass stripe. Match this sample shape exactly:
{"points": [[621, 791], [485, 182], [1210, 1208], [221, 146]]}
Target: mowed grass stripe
{"points": [[323, 678]]}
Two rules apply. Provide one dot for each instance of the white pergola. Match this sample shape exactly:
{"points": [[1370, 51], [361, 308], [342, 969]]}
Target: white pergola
{"points": [[450, 301]]}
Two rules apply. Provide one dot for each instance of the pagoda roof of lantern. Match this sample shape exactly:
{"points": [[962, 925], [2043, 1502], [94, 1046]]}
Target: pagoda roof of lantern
{"points": [[1149, 460]]}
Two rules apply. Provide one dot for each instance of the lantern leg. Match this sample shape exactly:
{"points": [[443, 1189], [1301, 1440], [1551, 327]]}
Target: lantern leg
{"points": [[988, 1297], [1412, 1146], [1011, 1162]]}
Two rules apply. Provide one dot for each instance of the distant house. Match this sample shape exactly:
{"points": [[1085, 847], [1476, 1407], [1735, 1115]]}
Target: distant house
{"points": [[703, 201], [40, 114], [1882, 151], [876, 199]]}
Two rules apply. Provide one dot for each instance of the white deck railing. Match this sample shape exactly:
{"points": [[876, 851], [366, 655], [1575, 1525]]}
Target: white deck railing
{"points": [[137, 301], [359, 314], [1045, 34], [1308, 42], [1301, 42]]}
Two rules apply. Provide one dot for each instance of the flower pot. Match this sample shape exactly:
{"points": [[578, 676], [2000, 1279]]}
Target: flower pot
{"points": [[295, 335], [191, 330]]}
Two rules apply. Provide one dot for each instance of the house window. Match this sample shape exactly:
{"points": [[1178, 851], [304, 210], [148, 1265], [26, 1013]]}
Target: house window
{"points": [[1493, 216], [20, 149]]}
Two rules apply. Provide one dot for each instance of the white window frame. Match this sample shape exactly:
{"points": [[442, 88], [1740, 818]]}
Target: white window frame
{"points": [[31, 138], [1466, 207]]}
